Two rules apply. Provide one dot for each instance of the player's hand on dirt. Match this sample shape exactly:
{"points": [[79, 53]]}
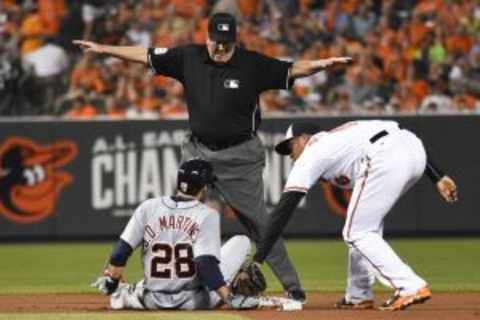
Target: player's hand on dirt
{"points": [[447, 189], [89, 46], [238, 301], [106, 285], [335, 61]]}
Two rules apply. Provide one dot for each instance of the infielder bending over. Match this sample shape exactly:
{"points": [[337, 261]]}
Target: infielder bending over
{"points": [[381, 162], [184, 267]]}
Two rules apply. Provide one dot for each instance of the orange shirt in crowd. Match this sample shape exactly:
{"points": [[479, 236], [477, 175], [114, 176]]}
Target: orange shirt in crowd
{"points": [[300, 91], [9, 3], [330, 15], [396, 69], [417, 32], [406, 101], [464, 102], [305, 5], [31, 30], [354, 48], [451, 12], [419, 90], [248, 8], [188, 8], [272, 49], [461, 44], [349, 6], [115, 113], [408, 104], [148, 103], [51, 13], [163, 37], [200, 35], [409, 53], [88, 78], [428, 6], [385, 52], [160, 82], [86, 111], [172, 109]]}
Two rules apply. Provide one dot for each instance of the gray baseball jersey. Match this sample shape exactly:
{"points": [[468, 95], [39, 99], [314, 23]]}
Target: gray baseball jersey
{"points": [[173, 234]]}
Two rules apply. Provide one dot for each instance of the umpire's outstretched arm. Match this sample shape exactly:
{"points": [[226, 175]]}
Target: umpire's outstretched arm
{"points": [[305, 68], [130, 53], [277, 222]]}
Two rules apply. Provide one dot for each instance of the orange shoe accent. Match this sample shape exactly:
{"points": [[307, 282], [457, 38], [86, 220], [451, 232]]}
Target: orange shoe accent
{"points": [[398, 302]]}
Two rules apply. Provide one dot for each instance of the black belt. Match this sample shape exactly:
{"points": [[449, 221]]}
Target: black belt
{"points": [[216, 146], [378, 136]]}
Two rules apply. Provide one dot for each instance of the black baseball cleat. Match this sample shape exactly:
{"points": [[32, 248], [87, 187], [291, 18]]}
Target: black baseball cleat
{"points": [[297, 295]]}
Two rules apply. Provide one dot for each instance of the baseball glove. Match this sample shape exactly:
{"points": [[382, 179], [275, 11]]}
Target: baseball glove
{"points": [[249, 281]]}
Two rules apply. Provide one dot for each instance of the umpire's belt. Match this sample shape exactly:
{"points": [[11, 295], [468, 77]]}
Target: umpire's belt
{"points": [[378, 136], [215, 146]]}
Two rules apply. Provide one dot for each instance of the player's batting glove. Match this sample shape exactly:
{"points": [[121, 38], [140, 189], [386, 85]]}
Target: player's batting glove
{"points": [[106, 285], [237, 301]]}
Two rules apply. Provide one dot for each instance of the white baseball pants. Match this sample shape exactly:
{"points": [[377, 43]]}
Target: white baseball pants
{"points": [[389, 167]]}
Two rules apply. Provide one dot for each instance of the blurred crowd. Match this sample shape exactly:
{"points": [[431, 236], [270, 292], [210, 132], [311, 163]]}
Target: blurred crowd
{"points": [[418, 57]]}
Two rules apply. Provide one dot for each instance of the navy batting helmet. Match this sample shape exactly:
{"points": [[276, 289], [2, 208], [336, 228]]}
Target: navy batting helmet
{"points": [[193, 175]]}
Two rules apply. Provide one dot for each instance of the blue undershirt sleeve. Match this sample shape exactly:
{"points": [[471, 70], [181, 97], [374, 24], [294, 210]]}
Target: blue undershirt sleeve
{"points": [[120, 253], [209, 272]]}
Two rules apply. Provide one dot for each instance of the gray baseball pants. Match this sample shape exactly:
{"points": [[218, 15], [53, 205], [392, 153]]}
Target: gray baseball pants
{"points": [[240, 183]]}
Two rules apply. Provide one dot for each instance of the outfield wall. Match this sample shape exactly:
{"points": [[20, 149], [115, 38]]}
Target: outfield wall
{"points": [[82, 180]]}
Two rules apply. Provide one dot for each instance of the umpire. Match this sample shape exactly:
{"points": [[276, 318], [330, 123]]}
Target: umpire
{"points": [[222, 85]]}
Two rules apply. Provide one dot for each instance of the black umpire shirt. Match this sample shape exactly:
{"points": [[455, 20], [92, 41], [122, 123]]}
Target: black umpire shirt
{"points": [[222, 99]]}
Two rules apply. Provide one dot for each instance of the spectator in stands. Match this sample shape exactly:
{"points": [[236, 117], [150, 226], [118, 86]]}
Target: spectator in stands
{"points": [[81, 109], [32, 29], [87, 76], [363, 20], [49, 64], [114, 108], [401, 47]]}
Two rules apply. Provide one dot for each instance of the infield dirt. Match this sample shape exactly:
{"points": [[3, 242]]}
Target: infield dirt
{"points": [[456, 306]]}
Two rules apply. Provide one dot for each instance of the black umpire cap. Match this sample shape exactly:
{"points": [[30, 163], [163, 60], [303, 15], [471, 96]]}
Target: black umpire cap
{"points": [[193, 175], [295, 130], [222, 27]]}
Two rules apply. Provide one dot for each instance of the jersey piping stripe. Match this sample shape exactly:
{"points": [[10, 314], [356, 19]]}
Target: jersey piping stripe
{"points": [[362, 187], [298, 189], [253, 117], [375, 266], [288, 78]]}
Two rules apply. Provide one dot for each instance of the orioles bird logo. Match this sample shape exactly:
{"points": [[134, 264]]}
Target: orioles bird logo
{"points": [[337, 198], [31, 178]]}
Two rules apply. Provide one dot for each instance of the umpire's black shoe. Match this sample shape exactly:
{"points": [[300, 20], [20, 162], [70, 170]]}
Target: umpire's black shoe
{"points": [[362, 305], [298, 295]]}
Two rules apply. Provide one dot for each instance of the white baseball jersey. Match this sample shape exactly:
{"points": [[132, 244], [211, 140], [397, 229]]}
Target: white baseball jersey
{"points": [[335, 155], [380, 172], [173, 234]]}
